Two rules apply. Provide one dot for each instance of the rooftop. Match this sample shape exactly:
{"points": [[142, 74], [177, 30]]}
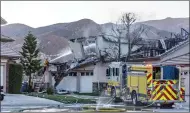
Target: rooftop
{"points": [[7, 51]]}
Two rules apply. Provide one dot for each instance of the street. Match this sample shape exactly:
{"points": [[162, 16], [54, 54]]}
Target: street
{"points": [[17, 102]]}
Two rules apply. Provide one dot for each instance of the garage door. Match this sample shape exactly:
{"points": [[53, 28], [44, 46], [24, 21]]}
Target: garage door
{"points": [[68, 83], [2, 75], [86, 84]]}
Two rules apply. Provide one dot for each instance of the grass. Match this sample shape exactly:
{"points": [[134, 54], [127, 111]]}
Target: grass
{"points": [[63, 98]]}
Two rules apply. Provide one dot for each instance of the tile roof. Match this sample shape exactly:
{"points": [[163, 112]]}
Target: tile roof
{"points": [[7, 51]]}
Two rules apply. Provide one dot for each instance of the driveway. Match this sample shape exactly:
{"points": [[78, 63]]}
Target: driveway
{"points": [[14, 102]]}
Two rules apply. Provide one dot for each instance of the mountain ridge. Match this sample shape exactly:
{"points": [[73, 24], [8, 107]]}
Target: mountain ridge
{"points": [[60, 33]]}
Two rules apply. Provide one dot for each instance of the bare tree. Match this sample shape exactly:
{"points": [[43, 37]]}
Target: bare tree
{"points": [[123, 30]]}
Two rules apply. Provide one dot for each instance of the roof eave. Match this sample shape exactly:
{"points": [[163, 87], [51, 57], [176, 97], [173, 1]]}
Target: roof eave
{"points": [[9, 56]]}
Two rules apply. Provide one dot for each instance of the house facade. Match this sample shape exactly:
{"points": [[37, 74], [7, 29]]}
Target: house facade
{"points": [[86, 78], [8, 55]]}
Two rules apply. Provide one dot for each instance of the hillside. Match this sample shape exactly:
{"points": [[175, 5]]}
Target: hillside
{"points": [[15, 30], [54, 38], [170, 24]]}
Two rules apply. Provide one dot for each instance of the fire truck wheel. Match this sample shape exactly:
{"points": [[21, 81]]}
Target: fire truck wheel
{"points": [[134, 98]]}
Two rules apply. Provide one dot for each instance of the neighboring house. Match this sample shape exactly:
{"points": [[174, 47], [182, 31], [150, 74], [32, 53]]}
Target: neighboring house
{"points": [[8, 55]]}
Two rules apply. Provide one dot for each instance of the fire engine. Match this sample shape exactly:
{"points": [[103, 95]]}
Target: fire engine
{"points": [[139, 84]]}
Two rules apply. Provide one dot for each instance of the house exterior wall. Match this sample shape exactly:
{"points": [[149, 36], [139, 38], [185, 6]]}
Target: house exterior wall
{"points": [[84, 84], [100, 72]]}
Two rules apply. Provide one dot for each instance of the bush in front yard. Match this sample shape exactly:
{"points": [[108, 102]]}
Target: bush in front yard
{"points": [[50, 91], [15, 78]]}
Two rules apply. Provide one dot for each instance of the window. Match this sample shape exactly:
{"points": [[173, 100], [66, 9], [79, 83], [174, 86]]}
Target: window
{"points": [[117, 71], [91, 73], [82, 73], [107, 72], [87, 73], [75, 74]]}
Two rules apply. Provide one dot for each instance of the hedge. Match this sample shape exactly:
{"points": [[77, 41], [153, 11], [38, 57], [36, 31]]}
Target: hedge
{"points": [[15, 78]]}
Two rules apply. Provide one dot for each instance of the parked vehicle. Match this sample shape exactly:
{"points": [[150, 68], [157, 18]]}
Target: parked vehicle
{"points": [[61, 92], [141, 84]]}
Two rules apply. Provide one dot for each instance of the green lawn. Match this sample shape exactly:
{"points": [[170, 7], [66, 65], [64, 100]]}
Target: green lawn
{"points": [[63, 98]]}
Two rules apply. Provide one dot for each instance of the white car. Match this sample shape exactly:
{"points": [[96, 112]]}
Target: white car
{"points": [[62, 92]]}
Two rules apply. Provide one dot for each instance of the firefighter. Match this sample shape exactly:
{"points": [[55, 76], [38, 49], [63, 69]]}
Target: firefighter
{"points": [[45, 65]]}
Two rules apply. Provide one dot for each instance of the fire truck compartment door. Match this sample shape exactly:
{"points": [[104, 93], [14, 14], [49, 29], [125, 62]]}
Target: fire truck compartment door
{"points": [[142, 85]]}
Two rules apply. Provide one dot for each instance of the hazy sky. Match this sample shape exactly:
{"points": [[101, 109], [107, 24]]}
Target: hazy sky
{"points": [[42, 13]]}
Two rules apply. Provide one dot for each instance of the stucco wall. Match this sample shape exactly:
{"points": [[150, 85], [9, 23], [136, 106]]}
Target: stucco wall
{"points": [[100, 72]]}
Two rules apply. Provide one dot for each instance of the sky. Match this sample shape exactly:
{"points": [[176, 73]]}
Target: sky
{"points": [[42, 13]]}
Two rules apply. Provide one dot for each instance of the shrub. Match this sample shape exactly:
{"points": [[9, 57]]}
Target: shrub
{"points": [[50, 91], [15, 78]]}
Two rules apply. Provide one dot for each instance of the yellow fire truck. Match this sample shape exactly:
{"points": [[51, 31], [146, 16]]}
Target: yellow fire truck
{"points": [[139, 83]]}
